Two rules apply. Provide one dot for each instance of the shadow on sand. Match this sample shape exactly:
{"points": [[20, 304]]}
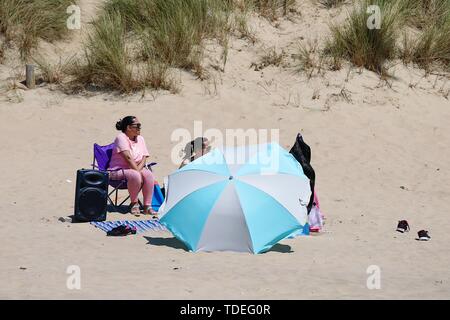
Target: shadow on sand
{"points": [[281, 248], [123, 209], [167, 242], [177, 244]]}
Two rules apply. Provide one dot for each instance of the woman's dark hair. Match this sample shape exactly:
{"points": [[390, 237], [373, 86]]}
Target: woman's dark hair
{"points": [[122, 124], [193, 147]]}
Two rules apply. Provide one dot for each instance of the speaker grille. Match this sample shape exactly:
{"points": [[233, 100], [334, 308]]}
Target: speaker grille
{"points": [[92, 202]]}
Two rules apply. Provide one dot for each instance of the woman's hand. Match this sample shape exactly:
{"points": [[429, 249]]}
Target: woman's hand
{"points": [[141, 164], [133, 165]]}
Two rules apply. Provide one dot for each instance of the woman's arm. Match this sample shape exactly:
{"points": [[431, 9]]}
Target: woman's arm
{"points": [[183, 163], [129, 159], [144, 151]]}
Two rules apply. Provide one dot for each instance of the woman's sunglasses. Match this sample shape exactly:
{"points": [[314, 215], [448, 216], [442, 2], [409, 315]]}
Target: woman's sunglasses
{"points": [[136, 125]]}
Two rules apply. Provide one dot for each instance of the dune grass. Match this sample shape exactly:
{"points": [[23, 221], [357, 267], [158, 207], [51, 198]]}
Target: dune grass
{"points": [[433, 44], [311, 60], [331, 3], [365, 47], [106, 55], [24, 22], [108, 62], [134, 43], [429, 45], [433, 47], [171, 30], [178, 27], [271, 9], [52, 73], [372, 48], [423, 13], [269, 57]]}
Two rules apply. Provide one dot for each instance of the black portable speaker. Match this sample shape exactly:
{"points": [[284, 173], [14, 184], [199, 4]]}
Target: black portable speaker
{"points": [[91, 195]]}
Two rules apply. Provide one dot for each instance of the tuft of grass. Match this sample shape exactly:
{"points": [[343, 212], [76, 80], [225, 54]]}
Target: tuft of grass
{"points": [[106, 56], [53, 73], [433, 47], [244, 30], [134, 12], [241, 13], [157, 77], [109, 63], [431, 44], [371, 49], [365, 47], [424, 13], [173, 30], [24, 22], [406, 50], [154, 35], [311, 60], [270, 57], [331, 3], [271, 9], [179, 26]]}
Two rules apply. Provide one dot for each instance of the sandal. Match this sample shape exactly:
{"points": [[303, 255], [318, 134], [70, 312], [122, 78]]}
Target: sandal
{"points": [[135, 209], [149, 211], [121, 231]]}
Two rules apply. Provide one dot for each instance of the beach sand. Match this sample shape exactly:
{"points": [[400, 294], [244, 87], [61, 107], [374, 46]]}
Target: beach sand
{"points": [[380, 151]]}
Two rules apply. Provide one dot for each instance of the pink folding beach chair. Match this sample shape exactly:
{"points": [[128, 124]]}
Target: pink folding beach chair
{"points": [[102, 158]]}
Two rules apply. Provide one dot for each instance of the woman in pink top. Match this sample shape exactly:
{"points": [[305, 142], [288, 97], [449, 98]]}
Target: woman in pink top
{"points": [[130, 154]]}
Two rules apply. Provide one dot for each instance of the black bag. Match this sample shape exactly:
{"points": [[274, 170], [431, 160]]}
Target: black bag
{"points": [[302, 153]]}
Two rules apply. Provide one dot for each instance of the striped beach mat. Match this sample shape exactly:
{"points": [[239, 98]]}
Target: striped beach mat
{"points": [[141, 225]]}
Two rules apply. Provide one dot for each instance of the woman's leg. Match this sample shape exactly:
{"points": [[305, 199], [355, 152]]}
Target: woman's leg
{"points": [[134, 182], [147, 187]]}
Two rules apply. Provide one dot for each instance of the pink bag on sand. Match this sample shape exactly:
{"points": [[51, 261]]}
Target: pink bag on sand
{"points": [[315, 216]]}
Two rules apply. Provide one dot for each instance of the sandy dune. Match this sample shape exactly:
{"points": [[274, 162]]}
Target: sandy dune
{"points": [[380, 151]]}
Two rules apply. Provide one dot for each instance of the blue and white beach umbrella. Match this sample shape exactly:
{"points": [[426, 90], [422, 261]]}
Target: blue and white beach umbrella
{"points": [[238, 199]]}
